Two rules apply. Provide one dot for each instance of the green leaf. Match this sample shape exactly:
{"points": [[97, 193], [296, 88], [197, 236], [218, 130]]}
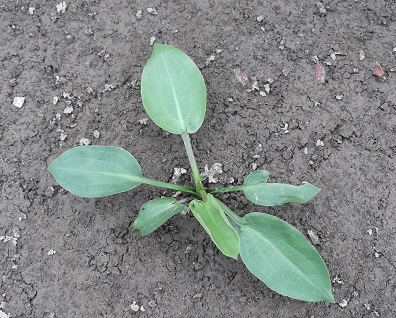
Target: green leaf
{"points": [[156, 212], [280, 256], [260, 192], [96, 171], [212, 218], [173, 90]]}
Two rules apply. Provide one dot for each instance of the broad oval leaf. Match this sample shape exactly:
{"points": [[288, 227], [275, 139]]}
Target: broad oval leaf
{"points": [[173, 90], [280, 256], [212, 218], [260, 192], [156, 212], [96, 171]]}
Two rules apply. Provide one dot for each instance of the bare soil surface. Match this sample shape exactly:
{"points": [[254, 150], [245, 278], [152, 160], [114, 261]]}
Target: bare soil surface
{"points": [[77, 64]]}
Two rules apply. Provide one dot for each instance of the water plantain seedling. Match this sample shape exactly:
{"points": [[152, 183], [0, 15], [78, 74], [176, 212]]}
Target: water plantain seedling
{"points": [[174, 96]]}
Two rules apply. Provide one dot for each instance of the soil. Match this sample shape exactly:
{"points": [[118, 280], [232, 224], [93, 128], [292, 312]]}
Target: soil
{"points": [[78, 67]]}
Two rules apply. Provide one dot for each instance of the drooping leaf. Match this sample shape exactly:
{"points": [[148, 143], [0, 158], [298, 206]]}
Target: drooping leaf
{"points": [[280, 256], [156, 212], [173, 90], [212, 218], [96, 171], [260, 192]]}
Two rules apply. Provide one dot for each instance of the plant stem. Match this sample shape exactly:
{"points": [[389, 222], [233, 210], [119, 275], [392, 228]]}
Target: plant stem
{"points": [[227, 189], [166, 185], [191, 158]]}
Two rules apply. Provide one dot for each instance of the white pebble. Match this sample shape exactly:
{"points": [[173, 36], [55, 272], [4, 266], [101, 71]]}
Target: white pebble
{"points": [[68, 110], [61, 7], [339, 97], [152, 11], [51, 252], [343, 303], [55, 100], [361, 55], [139, 14], [96, 134], [134, 306], [31, 10], [84, 142], [319, 143], [18, 102], [152, 40]]}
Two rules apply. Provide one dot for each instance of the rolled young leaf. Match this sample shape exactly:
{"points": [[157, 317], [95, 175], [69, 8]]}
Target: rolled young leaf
{"points": [[156, 212], [96, 171], [280, 256], [257, 190], [212, 218], [173, 90]]}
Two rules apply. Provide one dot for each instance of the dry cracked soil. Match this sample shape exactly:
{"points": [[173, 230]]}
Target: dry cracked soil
{"points": [[70, 74]]}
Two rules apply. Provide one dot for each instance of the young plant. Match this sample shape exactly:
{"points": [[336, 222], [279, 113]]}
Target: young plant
{"points": [[174, 96]]}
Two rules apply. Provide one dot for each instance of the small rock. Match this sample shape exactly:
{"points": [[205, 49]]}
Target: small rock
{"points": [[49, 192], [333, 56], [378, 71], [259, 18], [320, 72], [362, 56], [339, 97], [63, 136], [142, 309], [267, 88], [319, 143], [134, 306], [177, 173], [314, 238], [210, 59], [96, 134], [197, 296], [55, 100], [84, 142], [68, 110], [262, 93], [139, 14], [143, 121], [152, 40], [31, 10], [61, 7], [3, 314], [343, 303], [241, 76], [51, 252], [152, 11], [18, 102]]}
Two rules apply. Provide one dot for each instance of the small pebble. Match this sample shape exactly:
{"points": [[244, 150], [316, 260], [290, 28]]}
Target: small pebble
{"points": [[339, 97], [31, 10], [152, 40], [139, 14], [18, 102], [51, 252], [61, 7], [362, 56], [55, 100], [68, 110], [152, 11], [84, 142], [319, 143], [343, 303], [96, 134], [134, 306], [260, 18]]}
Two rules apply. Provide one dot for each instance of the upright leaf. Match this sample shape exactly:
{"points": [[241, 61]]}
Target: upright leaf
{"points": [[212, 218], [96, 171], [156, 212], [260, 192], [173, 90], [280, 256]]}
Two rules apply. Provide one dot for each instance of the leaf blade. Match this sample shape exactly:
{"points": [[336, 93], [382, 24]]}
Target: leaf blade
{"points": [[173, 90], [156, 212], [280, 256], [258, 191], [96, 171], [212, 218]]}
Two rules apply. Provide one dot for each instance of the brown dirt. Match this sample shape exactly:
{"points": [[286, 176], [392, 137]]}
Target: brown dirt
{"points": [[64, 256]]}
